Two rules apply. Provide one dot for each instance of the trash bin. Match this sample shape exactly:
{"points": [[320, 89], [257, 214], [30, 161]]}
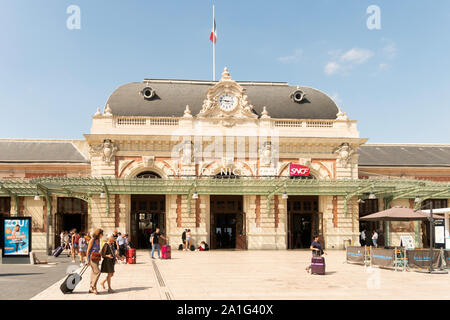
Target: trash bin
{"points": [[347, 243]]}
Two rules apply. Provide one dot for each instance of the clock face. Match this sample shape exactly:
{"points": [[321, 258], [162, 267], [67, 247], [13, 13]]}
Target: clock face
{"points": [[227, 102]]}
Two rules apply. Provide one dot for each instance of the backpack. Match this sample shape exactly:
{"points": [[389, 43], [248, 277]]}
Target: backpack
{"points": [[180, 247], [192, 247]]}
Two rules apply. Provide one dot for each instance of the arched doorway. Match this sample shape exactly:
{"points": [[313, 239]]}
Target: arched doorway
{"points": [[147, 213], [71, 214], [227, 222], [304, 221]]}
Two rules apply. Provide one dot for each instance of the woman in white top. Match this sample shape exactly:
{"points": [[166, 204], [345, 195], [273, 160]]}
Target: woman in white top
{"points": [[188, 239]]}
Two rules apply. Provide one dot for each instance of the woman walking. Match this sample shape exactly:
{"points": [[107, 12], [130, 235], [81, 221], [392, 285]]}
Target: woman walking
{"points": [[83, 246], [93, 259], [109, 259]]}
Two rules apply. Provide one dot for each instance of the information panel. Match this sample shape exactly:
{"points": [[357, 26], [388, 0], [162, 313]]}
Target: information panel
{"points": [[17, 237]]}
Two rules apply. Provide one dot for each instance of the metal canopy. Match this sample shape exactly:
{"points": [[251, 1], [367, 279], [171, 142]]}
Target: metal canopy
{"points": [[84, 188], [245, 186]]}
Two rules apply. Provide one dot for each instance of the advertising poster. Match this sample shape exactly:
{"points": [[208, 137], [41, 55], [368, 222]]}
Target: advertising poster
{"points": [[17, 236]]}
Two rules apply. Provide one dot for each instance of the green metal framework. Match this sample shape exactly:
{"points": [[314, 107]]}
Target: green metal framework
{"points": [[85, 188]]}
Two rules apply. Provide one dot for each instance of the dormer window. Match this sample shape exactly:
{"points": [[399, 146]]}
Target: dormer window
{"points": [[298, 96], [148, 92]]}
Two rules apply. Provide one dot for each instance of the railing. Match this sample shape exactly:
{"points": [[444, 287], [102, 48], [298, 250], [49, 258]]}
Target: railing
{"points": [[124, 121], [304, 123], [144, 122]]}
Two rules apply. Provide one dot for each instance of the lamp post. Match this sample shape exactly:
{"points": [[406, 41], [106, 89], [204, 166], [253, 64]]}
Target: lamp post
{"points": [[431, 219]]}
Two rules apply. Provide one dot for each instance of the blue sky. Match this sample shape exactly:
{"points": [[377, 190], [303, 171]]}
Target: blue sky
{"points": [[395, 81]]}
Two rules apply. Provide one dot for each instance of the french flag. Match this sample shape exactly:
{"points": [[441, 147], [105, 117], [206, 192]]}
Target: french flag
{"points": [[213, 36]]}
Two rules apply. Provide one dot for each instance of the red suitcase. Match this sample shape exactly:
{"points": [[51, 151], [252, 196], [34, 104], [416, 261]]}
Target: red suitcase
{"points": [[318, 265], [166, 252], [131, 256]]}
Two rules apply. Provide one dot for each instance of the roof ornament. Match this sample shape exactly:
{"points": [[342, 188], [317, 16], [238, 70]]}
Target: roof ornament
{"points": [[225, 75], [107, 111], [264, 113], [187, 112], [98, 113], [341, 115]]}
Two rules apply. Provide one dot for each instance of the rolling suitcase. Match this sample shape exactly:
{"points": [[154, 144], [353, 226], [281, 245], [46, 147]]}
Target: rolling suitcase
{"points": [[57, 251], [131, 256], [72, 280], [318, 265], [166, 252]]}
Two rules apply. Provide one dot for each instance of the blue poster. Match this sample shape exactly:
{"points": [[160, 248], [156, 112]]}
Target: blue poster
{"points": [[17, 236]]}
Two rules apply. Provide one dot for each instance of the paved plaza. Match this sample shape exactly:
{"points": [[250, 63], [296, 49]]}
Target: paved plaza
{"points": [[220, 275]]}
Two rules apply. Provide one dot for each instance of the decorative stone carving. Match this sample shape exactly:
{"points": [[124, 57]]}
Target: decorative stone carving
{"points": [[265, 114], [107, 150], [148, 161], [265, 154], [341, 115], [98, 113], [226, 86], [187, 112], [227, 162], [188, 154], [305, 161], [107, 111], [123, 164], [344, 153]]}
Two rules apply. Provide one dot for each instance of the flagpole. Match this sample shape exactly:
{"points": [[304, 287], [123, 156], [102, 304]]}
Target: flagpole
{"points": [[214, 47]]}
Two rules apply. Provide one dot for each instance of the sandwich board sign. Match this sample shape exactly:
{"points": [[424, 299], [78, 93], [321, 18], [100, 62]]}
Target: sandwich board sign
{"points": [[407, 242]]}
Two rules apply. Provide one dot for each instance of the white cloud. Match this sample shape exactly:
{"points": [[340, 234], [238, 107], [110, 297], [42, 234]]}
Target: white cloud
{"points": [[347, 60], [332, 67], [357, 55], [390, 49], [383, 66], [292, 58]]}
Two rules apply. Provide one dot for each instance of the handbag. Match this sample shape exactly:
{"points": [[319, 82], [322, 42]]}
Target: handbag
{"points": [[96, 256]]}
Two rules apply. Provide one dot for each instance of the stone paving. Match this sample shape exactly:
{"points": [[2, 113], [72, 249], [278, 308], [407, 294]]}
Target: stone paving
{"points": [[23, 281], [220, 275]]}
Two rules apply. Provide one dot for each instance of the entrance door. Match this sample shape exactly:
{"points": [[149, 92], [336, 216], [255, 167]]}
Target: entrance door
{"points": [[303, 221], [227, 223], [147, 214], [71, 214]]}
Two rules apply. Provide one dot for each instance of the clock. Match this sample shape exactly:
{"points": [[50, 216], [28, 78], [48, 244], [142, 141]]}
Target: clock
{"points": [[227, 102]]}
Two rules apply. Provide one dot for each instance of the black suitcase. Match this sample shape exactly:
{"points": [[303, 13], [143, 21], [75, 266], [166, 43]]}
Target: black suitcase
{"points": [[57, 251], [72, 280]]}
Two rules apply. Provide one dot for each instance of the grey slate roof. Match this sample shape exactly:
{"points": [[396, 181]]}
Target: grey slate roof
{"points": [[40, 151], [173, 96], [404, 155]]}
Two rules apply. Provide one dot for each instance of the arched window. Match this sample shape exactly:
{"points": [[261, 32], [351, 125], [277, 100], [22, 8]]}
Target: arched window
{"points": [[148, 175], [308, 177], [226, 175]]}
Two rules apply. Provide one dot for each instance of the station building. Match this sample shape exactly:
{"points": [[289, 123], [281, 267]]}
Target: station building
{"points": [[244, 165]]}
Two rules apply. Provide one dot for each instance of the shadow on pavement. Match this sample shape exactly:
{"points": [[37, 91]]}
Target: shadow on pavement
{"points": [[18, 274], [117, 290]]}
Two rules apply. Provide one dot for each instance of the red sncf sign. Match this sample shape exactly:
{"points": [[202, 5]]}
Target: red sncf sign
{"points": [[298, 170]]}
